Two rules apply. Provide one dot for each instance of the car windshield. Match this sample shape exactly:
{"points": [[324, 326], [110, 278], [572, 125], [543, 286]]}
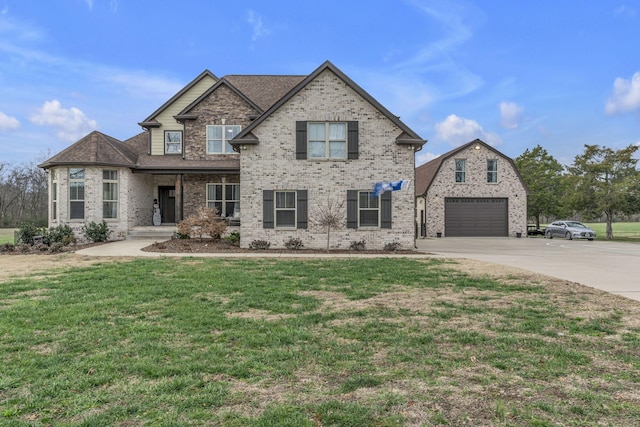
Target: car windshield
{"points": [[576, 224]]}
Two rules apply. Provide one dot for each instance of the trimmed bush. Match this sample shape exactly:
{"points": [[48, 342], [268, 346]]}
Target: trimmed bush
{"points": [[204, 221], [96, 232], [233, 238], [27, 231], [259, 245], [60, 234], [391, 246], [358, 245], [293, 244]]}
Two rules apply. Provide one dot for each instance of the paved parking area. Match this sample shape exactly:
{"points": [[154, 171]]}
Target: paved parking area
{"points": [[610, 266]]}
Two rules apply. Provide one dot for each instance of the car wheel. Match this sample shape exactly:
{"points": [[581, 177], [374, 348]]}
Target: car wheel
{"points": [[568, 236], [549, 235], [591, 240]]}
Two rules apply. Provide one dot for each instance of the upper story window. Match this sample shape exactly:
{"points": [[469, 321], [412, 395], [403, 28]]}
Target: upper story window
{"points": [[492, 170], [76, 193], [461, 167], [218, 137], [173, 142], [109, 193], [327, 140]]}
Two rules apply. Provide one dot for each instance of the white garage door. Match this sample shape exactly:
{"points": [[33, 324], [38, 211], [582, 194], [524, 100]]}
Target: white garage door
{"points": [[476, 217]]}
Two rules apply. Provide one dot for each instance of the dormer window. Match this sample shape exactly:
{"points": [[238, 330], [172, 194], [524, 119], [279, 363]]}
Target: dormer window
{"points": [[173, 142], [218, 137]]}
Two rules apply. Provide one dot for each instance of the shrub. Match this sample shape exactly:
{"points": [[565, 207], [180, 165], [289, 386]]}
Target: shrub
{"points": [[60, 234], [56, 247], [7, 247], [204, 221], [293, 244], [259, 245], [358, 245], [96, 232], [27, 231], [180, 235], [233, 238], [391, 246]]}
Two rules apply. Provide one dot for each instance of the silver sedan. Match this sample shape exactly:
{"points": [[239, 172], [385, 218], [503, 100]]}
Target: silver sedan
{"points": [[569, 230]]}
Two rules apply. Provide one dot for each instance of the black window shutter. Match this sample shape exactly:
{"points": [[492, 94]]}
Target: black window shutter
{"points": [[352, 140], [385, 208], [301, 206], [301, 140], [352, 208], [267, 209]]}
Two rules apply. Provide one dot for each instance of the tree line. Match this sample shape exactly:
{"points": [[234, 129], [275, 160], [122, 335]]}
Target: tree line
{"points": [[600, 183], [23, 194]]}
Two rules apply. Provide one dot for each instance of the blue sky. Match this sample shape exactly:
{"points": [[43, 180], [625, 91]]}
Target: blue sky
{"points": [[515, 74]]}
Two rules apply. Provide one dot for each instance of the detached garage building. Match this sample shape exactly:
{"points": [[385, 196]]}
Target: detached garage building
{"points": [[472, 191]]}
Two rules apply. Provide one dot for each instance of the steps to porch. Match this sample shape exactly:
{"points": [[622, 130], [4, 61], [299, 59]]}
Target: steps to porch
{"points": [[159, 232]]}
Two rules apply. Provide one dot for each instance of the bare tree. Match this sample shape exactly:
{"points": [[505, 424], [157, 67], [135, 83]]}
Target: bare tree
{"points": [[330, 215]]}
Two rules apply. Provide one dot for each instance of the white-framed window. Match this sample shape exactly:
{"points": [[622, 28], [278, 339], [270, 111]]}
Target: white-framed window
{"points": [[173, 142], [327, 140], [76, 193], [285, 207], [109, 193], [54, 194], [492, 170], [368, 209], [218, 137], [225, 198], [461, 167]]}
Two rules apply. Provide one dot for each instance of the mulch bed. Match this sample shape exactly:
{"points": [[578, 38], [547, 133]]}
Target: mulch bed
{"points": [[216, 246]]}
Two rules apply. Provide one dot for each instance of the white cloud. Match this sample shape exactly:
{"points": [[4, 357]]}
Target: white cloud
{"points": [[624, 10], [8, 123], [625, 97], [259, 30], [510, 115], [423, 157], [458, 130], [71, 124]]}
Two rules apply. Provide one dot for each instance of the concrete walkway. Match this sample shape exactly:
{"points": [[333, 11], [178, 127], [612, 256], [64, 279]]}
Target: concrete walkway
{"points": [[608, 266]]}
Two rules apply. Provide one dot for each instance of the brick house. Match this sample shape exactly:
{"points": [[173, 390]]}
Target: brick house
{"points": [[265, 151], [473, 190]]}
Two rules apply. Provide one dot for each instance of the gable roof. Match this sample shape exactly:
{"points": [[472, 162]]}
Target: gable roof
{"points": [[151, 120], [427, 172], [94, 149], [407, 136]]}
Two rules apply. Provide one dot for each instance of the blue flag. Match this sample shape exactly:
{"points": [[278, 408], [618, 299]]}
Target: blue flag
{"points": [[384, 186]]}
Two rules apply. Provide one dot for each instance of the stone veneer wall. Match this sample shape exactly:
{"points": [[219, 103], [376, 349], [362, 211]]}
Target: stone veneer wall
{"points": [[222, 104], [195, 190], [272, 165], [508, 186]]}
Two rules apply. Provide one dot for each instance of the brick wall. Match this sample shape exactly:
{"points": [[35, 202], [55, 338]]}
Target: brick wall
{"points": [[508, 186], [272, 165]]}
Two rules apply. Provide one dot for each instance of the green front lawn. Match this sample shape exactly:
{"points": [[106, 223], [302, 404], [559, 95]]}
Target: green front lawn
{"points": [[622, 231], [6, 235], [343, 342]]}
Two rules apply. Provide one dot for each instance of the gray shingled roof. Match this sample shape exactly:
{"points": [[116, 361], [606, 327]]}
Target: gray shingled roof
{"points": [[427, 172], [264, 91]]}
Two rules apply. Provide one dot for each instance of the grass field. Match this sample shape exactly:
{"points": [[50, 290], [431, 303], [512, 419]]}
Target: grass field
{"points": [[6, 235], [358, 342], [622, 231]]}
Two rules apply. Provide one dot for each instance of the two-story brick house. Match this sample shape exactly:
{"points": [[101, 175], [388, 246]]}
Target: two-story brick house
{"points": [[263, 150]]}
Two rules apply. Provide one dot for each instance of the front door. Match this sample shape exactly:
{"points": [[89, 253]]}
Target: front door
{"points": [[167, 201]]}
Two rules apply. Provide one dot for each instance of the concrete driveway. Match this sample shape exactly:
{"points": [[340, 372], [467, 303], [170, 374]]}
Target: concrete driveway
{"points": [[610, 266]]}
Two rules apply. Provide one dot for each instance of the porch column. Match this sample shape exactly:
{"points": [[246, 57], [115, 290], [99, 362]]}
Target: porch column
{"points": [[178, 198]]}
